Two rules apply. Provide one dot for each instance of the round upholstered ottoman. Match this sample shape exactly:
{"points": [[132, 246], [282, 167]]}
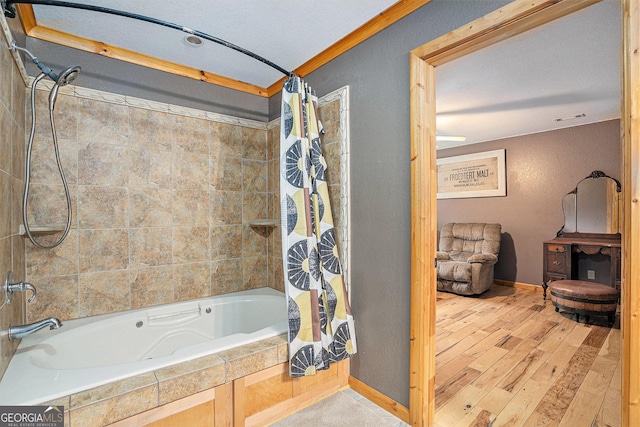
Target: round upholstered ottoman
{"points": [[586, 298]]}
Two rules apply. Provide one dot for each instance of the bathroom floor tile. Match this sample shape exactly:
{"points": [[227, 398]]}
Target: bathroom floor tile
{"points": [[345, 408]]}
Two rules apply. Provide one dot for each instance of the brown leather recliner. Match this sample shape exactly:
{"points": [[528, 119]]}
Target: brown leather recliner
{"points": [[466, 256]]}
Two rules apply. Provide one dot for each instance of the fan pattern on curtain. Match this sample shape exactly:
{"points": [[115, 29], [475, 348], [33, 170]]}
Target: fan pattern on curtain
{"points": [[321, 327]]}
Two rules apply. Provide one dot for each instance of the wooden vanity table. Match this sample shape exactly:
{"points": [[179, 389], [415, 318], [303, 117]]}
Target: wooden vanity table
{"points": [[568, 258], [588, 247]]}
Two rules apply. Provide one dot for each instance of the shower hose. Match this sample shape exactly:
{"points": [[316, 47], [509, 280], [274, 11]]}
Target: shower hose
{"points": [[28, 171]]}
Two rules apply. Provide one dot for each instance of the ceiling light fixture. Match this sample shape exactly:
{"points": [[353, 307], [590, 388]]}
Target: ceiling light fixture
{"points": [[564, 119], [193, 40], [445, 138]]}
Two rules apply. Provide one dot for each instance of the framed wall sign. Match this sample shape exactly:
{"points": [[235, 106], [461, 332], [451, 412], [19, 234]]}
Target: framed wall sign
{"points": [[472, 175]]}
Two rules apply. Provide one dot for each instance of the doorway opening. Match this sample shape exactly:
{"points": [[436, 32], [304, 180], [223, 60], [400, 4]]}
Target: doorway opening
{"points": [[510, 20]]}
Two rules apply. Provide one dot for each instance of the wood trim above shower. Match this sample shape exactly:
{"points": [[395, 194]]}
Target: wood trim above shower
{"points": [[27, 17], [383, 20], [32, 29]]}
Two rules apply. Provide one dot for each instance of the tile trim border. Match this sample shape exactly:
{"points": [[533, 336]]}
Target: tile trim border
{"points": [[16, 56], [132, 101]]}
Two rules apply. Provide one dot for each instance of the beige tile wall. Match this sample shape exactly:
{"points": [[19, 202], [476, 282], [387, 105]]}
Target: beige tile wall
{"points": [[12, 97], [161, 206]]}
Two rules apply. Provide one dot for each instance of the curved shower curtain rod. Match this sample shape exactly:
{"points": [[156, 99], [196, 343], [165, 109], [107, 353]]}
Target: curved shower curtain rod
{"points": [[10, 12]]}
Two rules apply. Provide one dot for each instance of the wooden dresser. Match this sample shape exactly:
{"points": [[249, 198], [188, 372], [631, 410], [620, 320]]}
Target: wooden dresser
{"points": [[582, 256]]}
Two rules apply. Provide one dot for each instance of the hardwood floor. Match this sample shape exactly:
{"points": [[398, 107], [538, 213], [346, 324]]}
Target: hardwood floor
{"points": [[506, 358]]}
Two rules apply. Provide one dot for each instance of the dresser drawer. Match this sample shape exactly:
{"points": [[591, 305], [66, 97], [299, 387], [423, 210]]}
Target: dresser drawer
{"points": [[557, 248], [557, 263]]}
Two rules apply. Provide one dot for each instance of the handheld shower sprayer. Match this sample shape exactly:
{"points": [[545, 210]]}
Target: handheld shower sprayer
{"points": [[65, 77]]}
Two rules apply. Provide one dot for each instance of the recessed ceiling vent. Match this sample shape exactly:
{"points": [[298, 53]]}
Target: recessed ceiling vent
{"points": [[564, 119]]}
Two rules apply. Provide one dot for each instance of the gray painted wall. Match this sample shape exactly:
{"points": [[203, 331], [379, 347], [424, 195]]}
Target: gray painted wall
{"points": [[540, 169]]}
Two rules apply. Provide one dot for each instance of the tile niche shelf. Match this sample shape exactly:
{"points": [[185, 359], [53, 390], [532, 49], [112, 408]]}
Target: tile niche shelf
{"points": [[41, 230], [263, 223], [263, 227]]}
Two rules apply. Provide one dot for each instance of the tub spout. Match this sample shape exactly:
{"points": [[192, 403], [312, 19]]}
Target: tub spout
{"points": [[17, 332]]}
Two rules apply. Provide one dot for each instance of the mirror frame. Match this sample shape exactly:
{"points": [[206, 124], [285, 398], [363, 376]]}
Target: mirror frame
{"points": [[574, 197]]}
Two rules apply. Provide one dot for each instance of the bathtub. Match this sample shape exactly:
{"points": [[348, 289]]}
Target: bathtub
{"points": [[89, 352]]}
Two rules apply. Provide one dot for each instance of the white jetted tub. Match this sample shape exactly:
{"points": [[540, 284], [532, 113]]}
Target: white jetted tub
{"points": [[89, 352]]}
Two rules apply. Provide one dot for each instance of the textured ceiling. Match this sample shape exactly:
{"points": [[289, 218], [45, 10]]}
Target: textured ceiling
{"points": [[568, 67]]}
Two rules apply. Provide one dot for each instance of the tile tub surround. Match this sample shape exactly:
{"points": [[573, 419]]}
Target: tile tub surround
{"points": [[162, 197], [12, 124], [121, 399]]}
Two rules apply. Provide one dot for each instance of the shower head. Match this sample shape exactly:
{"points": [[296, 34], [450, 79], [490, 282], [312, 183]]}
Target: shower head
{"points": [[65, 77], [68, 75]]}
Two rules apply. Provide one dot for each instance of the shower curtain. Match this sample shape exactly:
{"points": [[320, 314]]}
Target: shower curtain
{"points": [[321, 327]]}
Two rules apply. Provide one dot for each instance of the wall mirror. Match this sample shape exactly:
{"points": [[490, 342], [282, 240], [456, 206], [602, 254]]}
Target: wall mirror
{"points": [[593, 206]]}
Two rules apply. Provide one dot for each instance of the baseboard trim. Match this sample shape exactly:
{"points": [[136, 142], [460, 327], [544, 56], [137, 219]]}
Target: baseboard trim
{"points": [[518, 285], [380, 399]]}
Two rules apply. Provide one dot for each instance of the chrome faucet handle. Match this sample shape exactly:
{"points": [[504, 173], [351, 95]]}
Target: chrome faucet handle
{"points": [[11, 287], [23, 287]]}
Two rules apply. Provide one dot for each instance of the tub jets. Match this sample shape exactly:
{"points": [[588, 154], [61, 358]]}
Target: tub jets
{"points": [[17, 332]]}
